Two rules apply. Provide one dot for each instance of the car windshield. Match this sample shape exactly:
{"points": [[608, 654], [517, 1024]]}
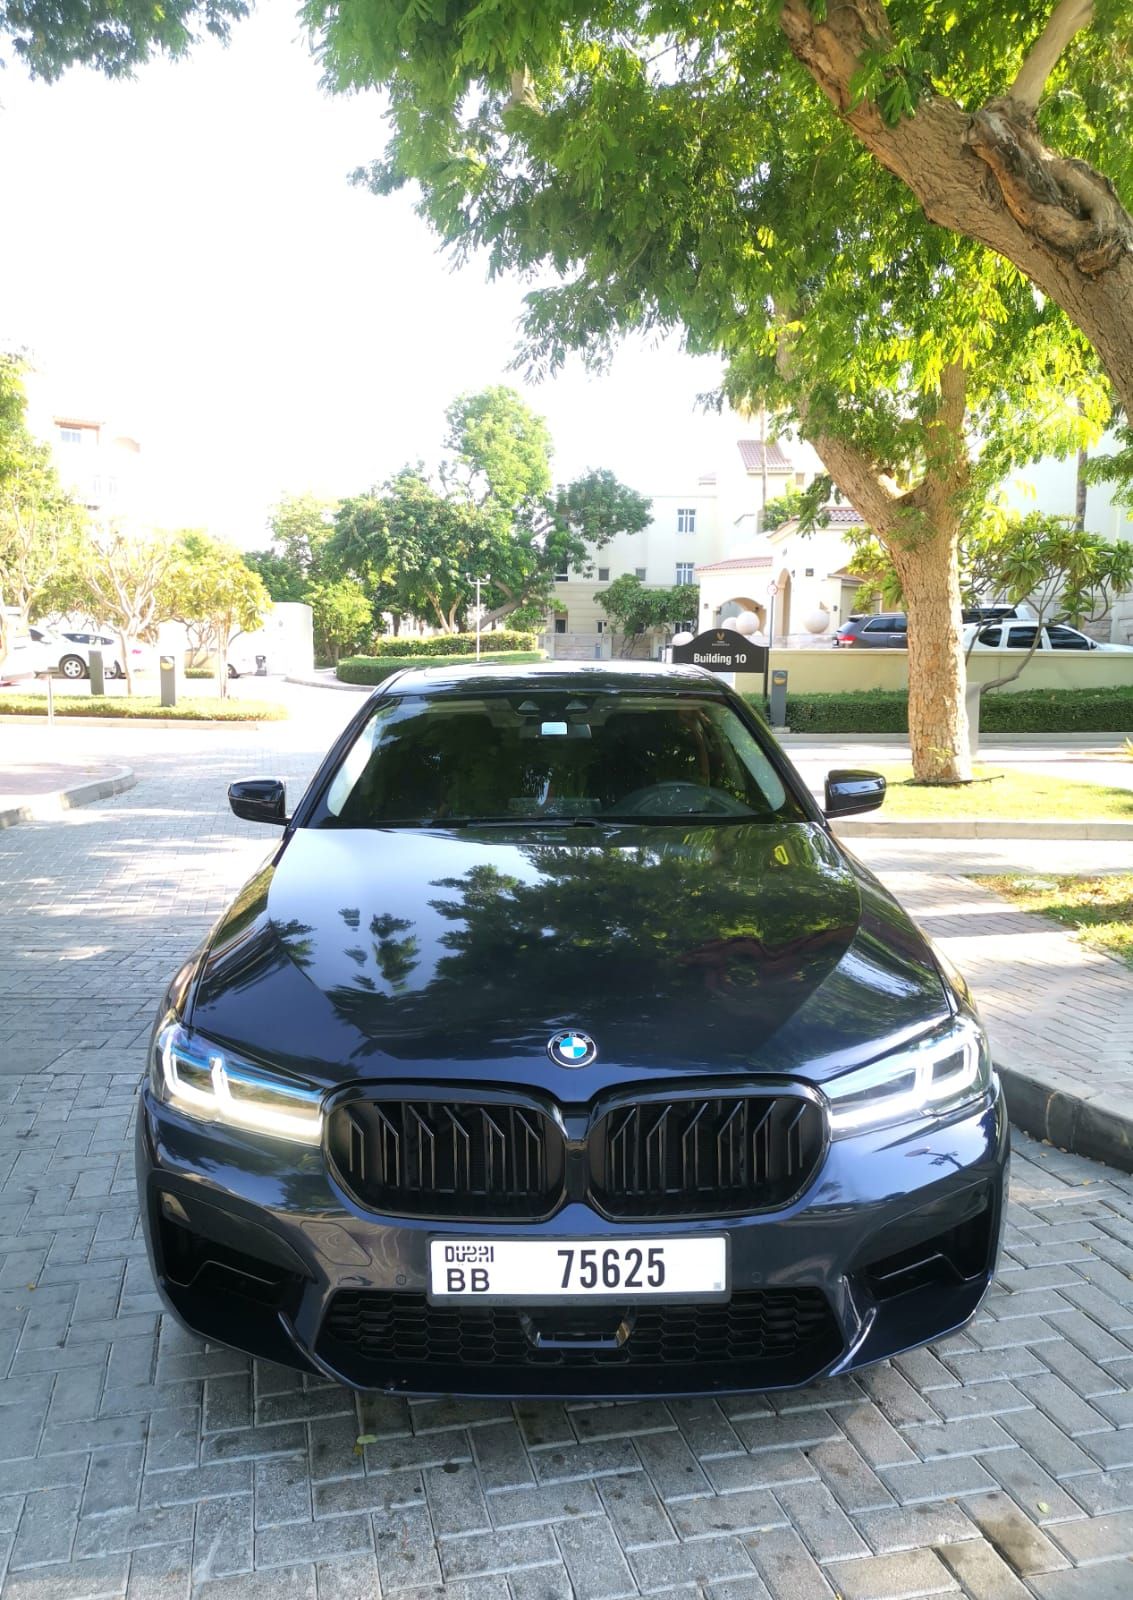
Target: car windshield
{"points": [[543, 757]]}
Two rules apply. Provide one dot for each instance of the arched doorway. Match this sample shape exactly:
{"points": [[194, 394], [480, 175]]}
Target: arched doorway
{"points": [[740, 603], [783, 605]]}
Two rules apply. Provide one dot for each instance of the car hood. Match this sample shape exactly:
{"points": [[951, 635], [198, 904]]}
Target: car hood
{"points": [[406, 955]]}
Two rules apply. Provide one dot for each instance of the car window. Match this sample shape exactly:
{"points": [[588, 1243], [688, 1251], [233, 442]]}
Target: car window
{"points": [[1020, 638], [879, 625], [898, 625], [991, 636], [1062, 638], [546, 756]]}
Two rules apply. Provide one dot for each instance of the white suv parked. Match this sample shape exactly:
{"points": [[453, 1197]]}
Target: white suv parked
{"points": [[1012, 634]]}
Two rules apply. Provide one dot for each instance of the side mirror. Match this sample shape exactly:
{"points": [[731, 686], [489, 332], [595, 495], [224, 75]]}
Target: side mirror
{"points": [[260, 800], [848, 792]]}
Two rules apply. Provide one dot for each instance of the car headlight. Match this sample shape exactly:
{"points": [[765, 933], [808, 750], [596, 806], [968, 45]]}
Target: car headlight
{"points": [[945, 1070], [202, 1080]]}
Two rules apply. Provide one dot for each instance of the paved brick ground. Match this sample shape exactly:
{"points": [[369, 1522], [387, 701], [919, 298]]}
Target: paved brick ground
{"points": [[135, 1461]]}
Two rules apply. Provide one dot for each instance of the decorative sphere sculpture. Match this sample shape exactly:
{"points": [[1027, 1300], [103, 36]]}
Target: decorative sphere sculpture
{"points": [[731, 622], [682, 638], [747, 623], [817, 621]]}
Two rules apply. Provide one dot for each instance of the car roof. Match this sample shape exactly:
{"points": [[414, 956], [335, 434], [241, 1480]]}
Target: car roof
{"points": [[648, 676]]}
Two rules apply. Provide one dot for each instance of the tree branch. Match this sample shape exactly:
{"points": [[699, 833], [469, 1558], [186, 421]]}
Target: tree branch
{"points": [[1065, 22]]}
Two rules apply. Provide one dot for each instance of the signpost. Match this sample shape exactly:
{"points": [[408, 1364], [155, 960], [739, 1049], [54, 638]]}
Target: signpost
{"points": [[722, 650]]}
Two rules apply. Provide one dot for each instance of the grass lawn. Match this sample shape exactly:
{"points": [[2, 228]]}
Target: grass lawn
{"points": [[1023, 795], [1099, 910], [212, 709]]}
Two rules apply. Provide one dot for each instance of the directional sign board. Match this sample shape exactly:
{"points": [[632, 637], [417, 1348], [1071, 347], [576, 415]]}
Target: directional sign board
{"points": [[721, 650]]}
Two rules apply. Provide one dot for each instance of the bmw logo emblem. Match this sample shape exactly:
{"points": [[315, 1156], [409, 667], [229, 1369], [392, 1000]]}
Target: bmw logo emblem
{"points": [[572, 1049]]}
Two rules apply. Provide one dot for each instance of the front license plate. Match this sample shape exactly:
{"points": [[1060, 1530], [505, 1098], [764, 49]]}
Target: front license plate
{"points": [[546, 1271]]}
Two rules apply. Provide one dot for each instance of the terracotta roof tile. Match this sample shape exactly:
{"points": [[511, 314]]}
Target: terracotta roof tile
{"points": [[751, 454], [736, 564]]}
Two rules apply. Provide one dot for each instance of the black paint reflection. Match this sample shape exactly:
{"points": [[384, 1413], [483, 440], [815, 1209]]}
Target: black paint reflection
{"points": [[744, 945]]}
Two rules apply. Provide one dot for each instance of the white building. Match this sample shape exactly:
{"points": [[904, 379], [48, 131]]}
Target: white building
{"points": [[691, 526], [797, 584], [100, 466]]}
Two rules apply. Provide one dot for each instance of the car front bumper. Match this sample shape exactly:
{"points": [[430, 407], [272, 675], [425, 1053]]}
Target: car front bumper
{"points": [[893, 1243]]}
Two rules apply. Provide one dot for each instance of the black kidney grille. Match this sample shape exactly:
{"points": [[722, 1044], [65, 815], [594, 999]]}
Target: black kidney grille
{"points": [[708, 1155], [788, 1326], [423, 1157]]}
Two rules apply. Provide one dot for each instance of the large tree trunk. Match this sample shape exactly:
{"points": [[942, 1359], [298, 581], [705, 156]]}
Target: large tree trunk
{"points": [[920, 528], [929, 570], [989, 175]]}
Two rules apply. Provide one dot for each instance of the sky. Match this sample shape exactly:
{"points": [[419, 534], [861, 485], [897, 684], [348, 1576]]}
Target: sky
{"points": [[187, 259]]}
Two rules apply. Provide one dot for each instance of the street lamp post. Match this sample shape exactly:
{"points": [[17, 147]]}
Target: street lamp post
{"points": [[487, 578]]}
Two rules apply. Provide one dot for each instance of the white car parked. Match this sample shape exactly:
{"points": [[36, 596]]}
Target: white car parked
{"points": [[69, 653], [1011, 634]]}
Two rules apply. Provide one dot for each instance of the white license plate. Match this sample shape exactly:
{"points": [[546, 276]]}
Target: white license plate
{"points": [[548, 1271]]}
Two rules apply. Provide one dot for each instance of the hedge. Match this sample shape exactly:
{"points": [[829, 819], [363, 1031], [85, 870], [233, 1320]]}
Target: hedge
{"points": [[143, 707], [1029, 711], [450, 644], [370, 669]]}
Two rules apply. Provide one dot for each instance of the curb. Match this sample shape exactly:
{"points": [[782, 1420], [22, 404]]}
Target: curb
{"points": [[987, 740], [40, 718], [1039, 1102], [45, 807], [981, 828], [332, 683]]}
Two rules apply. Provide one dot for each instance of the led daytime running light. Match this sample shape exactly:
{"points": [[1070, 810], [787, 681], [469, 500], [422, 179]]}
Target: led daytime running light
{"points": [[877, 1103], [302, 1122]]}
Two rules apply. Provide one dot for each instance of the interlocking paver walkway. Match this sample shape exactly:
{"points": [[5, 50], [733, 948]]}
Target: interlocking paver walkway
{"points": [[136, 1461]]}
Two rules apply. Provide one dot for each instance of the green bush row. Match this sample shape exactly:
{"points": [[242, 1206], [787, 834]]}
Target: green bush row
{"points": [[1029, 711], [451, 644], [371, 669], [144, 707]]}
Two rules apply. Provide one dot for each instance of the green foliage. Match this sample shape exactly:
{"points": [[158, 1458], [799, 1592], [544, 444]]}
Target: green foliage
{"points": [[661, 166], [781, 509], [452, 644], [1047, 560], [501, 449], [1029, 711], [41, 528], [375, 669], [114, 36], [123, 581], [300, 566], [411, 547], [417, 543], [634, 607], [208, 586], [341, 615], [144, 707]]}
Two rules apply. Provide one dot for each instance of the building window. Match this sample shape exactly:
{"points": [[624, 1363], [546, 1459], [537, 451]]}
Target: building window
{"points": [[562, 575], [601, 626], [603, 574], [810, 572], [560, 624], [639, 572], [685, 571], [686, 519], [800, 480], [70, 435]]}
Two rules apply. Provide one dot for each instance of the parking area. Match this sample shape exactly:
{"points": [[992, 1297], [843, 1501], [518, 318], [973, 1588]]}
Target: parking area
{"points": [[135, 1461]]}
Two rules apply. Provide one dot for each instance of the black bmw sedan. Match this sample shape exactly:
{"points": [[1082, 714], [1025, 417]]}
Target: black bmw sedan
{"points": [[559, 1048]]}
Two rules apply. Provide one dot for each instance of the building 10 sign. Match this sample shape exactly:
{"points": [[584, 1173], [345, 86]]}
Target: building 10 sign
{"points": [[721, 650]]}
